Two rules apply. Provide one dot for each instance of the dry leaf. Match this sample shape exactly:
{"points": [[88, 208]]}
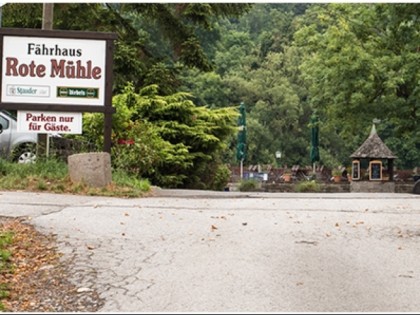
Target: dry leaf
{"points": [[83, 290], [213, 227]]}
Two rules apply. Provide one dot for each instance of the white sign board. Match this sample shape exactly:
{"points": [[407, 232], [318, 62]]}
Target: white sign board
{"points": [[53, 70], [49, 122]]}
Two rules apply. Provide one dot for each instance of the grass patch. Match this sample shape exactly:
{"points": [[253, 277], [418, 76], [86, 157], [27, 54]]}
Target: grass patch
{"points": [[51, 175]]}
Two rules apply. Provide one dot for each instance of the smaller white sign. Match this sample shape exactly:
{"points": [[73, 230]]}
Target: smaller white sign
{"points": [[28, 91], [49, 122]]}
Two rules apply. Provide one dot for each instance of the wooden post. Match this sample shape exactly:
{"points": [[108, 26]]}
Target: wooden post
{"points": [[109, 110], [47, 24], [47, 16]]}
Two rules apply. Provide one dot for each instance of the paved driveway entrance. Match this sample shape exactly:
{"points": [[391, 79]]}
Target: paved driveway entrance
{"points": [[191, 251]]}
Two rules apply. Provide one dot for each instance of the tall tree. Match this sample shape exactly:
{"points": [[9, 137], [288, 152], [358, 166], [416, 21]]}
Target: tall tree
{"points": [[362, 62]]}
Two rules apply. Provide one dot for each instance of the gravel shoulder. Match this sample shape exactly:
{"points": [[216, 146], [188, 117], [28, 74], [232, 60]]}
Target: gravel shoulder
{"points": [[39, 280]]}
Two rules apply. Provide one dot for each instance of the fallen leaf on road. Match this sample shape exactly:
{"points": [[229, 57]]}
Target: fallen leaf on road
{"points": [[90, 247], [307, 242], [213, 227], [83, 290]]}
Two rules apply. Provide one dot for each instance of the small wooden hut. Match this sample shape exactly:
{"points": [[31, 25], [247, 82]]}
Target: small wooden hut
{"points": [[375, 155]]}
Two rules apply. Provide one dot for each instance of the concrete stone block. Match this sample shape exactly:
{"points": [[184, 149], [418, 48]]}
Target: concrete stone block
{"points": [[93, 168]]}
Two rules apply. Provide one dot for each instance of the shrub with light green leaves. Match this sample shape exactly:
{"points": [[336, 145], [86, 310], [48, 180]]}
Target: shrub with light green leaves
{"points": [[308, 186]]}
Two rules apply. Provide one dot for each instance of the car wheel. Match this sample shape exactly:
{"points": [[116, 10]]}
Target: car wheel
{"points": [[25, 153]]}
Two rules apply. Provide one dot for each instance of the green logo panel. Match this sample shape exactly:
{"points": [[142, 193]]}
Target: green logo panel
{"points": [[63, 91]]}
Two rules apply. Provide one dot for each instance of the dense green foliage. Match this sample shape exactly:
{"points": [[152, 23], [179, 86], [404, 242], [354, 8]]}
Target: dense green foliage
{"points": [[256, 64], [350, 62], [174, 143], [362, 62]]}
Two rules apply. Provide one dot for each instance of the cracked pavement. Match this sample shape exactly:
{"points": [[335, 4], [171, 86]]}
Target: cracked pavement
{"points": [[198, 251]]}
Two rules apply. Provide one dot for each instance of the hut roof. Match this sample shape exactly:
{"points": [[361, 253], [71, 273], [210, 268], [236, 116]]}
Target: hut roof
{"points": [[373, 147]]}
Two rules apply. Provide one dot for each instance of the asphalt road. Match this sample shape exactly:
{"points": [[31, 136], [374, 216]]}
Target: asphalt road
{"points": [[193, 251]]}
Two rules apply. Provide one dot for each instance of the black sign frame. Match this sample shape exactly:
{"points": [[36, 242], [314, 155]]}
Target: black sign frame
{"points": [[107, 109]]}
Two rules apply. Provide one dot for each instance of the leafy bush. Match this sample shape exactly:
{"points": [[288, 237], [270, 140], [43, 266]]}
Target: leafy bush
{"points": [[308, 186], [174, 143], [248, 185], [221, 178]]}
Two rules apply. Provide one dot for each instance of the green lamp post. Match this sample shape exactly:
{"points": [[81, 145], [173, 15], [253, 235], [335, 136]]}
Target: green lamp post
{"points": [[314, 154], [241, 145]]}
